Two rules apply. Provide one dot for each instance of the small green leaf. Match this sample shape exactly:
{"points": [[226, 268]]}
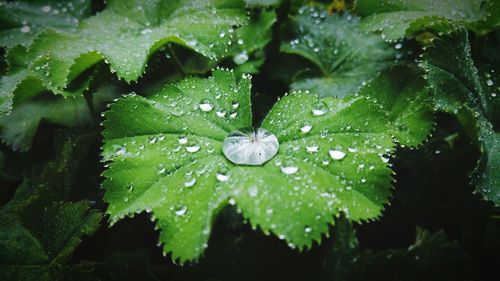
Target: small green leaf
{"points": [[457, 88], [344, 56], [22, 21], [402, 93], [400, 18], [164, 156]]}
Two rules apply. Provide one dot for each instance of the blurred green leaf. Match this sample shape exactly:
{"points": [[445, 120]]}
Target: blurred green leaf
{"points": [[22, 21], [399, 18], [345, 57]]}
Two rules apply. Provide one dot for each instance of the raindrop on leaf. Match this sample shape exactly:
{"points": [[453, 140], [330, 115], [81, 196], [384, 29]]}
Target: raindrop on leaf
{"points": [[205, 105], [250, 146], [336, 154]]}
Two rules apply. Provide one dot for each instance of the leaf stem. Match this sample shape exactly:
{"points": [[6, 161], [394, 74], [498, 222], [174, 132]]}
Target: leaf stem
{"points": [[177, 61]]}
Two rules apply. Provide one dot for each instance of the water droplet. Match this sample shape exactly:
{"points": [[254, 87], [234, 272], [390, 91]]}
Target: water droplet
{"points": [[336, 154], [253, 146], [205, 105], [146, 31], [120, 150], [192, 148], [190, 181], [161, 169], [220, 113], [384, 159], [253, 191], [352, 149], [306, 128], [289, 168], [307, 230], [489, 82], [312, 148], [235, 104], [233, 114], [319, 109], [46, 8], [325, 161], [25, 29], [240, 58], [181, 210], [223, 175], [183, 140]]}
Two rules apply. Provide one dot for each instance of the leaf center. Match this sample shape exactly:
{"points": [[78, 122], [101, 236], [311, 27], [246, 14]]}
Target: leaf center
{"points": [[250, 146]]}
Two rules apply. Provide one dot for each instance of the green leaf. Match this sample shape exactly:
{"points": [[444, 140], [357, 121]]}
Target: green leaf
{"points": [[19, 127], [41, 236], [264, 3], [457, 88], [402, 93], [486, 177], [345, 57], [252, 38], [38, 232], [400, 18], [431, 257], [164, 156], [22, 21], [125, 34]]}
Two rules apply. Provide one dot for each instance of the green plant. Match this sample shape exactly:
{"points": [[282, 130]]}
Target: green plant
{"points": [[302, 119]]}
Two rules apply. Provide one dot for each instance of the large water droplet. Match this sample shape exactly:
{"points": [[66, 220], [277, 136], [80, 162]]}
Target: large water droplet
{"points": [[252, 146]]}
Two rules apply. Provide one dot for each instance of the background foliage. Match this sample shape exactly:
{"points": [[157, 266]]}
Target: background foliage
{"points": [[83, 81]]}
